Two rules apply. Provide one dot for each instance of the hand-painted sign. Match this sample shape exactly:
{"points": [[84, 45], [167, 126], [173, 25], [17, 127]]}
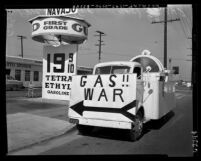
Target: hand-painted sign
{"points": [[114, 93], [60, 11], [108, 90], [59, 64], [80, 108], [63, 28]]}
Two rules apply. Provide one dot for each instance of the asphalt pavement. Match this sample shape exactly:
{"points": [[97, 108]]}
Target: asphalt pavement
{"points": [[34, 120]]}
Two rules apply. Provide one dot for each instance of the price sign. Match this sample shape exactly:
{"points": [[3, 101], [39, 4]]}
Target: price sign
{"points": [[59, 64]]}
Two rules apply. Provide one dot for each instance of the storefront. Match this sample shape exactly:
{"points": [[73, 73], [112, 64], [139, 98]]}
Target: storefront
{"points": [[27, 70]]}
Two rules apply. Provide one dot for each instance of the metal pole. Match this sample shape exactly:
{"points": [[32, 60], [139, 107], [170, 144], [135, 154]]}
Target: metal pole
{"points": [[100, 44], [22, 47], [165, 34], [165, 38], [22, 37]]}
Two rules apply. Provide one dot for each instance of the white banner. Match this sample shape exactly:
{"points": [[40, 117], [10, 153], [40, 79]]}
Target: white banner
{"points": [[108, 97], [114, 91], [59, 64]]}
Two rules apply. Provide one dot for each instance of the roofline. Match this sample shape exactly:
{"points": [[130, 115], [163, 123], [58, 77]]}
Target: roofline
{"points": [[88, 68], [23, 58], [116, 63]]}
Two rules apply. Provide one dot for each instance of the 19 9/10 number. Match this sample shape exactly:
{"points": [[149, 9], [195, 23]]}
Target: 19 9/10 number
{"points": [[59, 59]]}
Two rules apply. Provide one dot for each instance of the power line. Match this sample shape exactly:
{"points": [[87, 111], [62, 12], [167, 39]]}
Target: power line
{"points": [[186, 26], [185, 30], [183, 26], [189, 17], [189, 25], [100, 43]]}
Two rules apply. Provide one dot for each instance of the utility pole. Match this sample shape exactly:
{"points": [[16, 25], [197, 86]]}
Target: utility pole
{"points": [[21, 37], [165, 34], [100, 43]]}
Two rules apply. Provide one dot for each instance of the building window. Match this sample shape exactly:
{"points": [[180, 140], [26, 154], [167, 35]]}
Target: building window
{"points": [[18, 74], [175, 69], [27, 75], [36, 76]]}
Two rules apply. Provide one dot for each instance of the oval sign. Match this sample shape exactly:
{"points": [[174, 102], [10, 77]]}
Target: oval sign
{"points": [[64, 28]]}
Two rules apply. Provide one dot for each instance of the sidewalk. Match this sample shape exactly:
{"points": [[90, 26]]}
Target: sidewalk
{"points": [[31, 127], [25, 129]]}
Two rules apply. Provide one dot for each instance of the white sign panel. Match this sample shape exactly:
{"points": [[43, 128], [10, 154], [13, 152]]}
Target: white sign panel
{"points": [[59, 26], [70, 29], [59, 64], [114, 91], [60, 11]]}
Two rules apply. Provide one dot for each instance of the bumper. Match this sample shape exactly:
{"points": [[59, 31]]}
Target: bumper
{"points": [[102, 123]]}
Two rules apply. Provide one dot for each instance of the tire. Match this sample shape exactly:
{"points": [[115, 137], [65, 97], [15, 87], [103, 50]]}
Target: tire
{"points": [[83, 129], [136, 130]]}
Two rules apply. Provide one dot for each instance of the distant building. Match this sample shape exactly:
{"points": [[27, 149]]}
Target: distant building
{"points": [[176, 74], [26, 70]]}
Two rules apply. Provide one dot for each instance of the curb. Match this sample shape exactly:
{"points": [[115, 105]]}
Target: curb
{"points": [[42, 100]]}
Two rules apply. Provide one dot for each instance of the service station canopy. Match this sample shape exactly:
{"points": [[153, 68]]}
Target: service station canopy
{"points": [[56, 29]]}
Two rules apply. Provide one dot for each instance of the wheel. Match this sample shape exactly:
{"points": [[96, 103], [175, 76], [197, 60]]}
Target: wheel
{"points": [[137, 127], [83, 129]]}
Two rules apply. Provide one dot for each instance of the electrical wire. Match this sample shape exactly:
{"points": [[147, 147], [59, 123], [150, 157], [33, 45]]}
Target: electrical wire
{"points": [[183, 28], [185, 22]]}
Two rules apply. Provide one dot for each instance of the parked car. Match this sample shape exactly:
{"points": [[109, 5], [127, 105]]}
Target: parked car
{"points": [[13, 84]]}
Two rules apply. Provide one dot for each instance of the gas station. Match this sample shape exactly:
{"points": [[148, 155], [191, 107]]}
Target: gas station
{"points": [[124, 95]]}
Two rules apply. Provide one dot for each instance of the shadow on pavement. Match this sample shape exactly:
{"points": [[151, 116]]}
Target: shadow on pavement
{"points": [[108, 133], [123, 135], [157, 124]]}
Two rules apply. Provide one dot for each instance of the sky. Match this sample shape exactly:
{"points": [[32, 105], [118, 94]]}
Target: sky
{"points": [[128, 32]]}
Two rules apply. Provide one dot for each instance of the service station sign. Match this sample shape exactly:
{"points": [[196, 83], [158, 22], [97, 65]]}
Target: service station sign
{"points": [[71, 30], [59, 60], [59, 64]]}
